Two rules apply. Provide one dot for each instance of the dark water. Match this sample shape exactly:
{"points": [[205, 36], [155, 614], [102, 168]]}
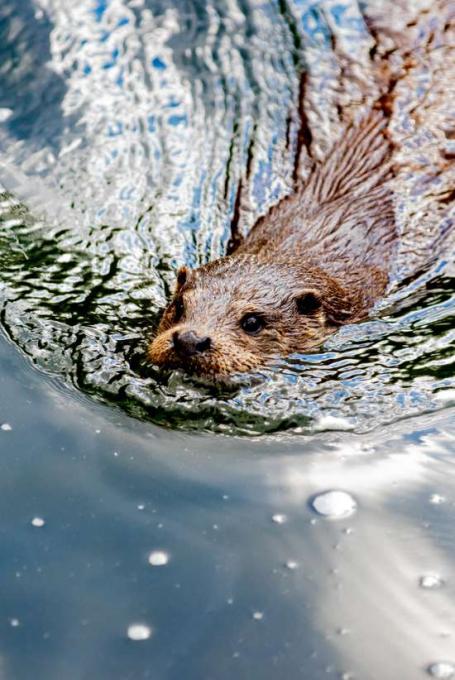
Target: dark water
{"points": [[125, 129]]}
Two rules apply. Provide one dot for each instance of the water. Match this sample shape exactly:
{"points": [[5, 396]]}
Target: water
{"points": [[108, 188], [133, 550], [113, 490]]}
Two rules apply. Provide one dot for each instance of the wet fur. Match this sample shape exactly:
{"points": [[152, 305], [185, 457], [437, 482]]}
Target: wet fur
{"points": [[332, 237]]}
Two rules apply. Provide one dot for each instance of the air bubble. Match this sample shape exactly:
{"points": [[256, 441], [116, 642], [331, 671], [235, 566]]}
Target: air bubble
{"points": [[158, 558], [258, 616], [5, 114], [38, 522], [279, 518], [431, 581], [139, 632], [436, 499], [6, 427], [334, 504], [442, 670], [292, 564]]}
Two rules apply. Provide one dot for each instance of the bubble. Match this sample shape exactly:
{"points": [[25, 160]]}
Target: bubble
{"points": [[138, 632], [279, 518], [38, 522], [334, 504], [258, 616], [292, 564], [431, 581], [158, 558], [436, 499], [6, 427], [14, 623], [5, 114], [442, 670]]}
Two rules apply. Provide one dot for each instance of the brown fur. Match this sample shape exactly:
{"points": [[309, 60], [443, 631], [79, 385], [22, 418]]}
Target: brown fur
{"points": [[332, 239]]}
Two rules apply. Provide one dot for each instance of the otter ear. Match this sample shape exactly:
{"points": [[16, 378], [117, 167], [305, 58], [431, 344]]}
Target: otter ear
{"points": [[337, 310], [182, 277], [308, 302]]}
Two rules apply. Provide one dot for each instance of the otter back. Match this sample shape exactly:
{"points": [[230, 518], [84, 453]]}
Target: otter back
{"points": [[342, 218]]}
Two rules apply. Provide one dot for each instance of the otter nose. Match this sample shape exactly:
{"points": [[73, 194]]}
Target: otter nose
{"points": [[188, 343]]}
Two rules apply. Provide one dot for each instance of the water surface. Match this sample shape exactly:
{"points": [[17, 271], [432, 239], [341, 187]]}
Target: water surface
{"points": [[128, 127], [133, 550]]}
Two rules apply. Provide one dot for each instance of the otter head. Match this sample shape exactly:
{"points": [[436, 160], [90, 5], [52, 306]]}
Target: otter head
{"points": [[242, 312]]}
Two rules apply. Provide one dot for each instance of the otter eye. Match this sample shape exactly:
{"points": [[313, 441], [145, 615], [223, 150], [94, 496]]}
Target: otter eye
{"points": [[308, 303], [252, 324], [179, 308]]}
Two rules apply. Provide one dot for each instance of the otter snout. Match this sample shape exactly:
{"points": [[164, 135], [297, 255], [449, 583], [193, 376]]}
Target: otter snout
{"points": [[188, 343]]}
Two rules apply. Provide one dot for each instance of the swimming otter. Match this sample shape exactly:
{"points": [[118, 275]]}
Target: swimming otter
{"points": [[319, 259]]}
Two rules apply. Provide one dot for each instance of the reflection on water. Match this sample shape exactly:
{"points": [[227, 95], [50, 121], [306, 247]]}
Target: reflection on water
{"points": [[126, 129], [376, 561], [129, 551], [164, 555]]}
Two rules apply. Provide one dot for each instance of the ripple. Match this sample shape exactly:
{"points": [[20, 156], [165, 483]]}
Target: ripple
{"points": [[96, 215]]}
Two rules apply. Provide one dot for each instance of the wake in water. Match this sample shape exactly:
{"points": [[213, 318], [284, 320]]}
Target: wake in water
{"points": [[127, 131]]}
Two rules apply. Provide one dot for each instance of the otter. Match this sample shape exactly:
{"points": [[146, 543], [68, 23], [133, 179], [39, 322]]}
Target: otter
{"points": [[318, 259]]}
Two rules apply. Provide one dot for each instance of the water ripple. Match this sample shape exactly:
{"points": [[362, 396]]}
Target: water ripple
{"points": [[122, 158]]}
